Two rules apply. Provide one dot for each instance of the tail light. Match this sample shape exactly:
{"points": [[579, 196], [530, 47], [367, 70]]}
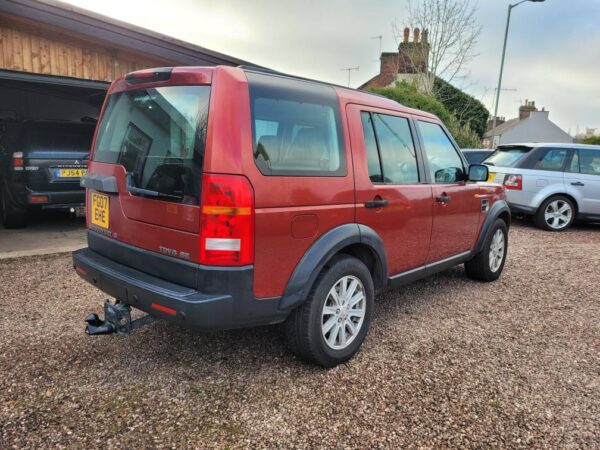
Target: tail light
{"points": [[226, 221], [513, 182], [17, 161], [38, 199]]}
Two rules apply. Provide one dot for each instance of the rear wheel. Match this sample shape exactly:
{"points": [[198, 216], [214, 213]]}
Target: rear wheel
{"points": [[12, 217], [556, 214], [330, 326], [488, 264]]}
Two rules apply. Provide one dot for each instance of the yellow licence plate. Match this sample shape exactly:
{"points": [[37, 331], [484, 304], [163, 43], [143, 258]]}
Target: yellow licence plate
{"points": [[72, 173], [491, 177], [99, 210]]}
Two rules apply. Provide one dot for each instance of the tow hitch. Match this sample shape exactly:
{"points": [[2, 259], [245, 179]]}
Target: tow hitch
{"points": [[117, 319]]}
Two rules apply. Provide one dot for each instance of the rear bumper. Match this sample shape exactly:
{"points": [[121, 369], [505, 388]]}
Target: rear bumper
{"points": [[56, 199], [193, 308], [521, 209]]}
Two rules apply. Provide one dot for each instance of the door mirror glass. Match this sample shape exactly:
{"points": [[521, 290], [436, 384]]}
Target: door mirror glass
{"points": [[478, 172]]}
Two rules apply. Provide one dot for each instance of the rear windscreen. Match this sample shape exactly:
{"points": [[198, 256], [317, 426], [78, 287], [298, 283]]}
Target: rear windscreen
{"points": [[158, 135], [76, 138], [506, 156]]}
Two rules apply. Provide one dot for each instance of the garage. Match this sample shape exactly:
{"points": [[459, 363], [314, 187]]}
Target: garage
{"points": [[56, 63]]}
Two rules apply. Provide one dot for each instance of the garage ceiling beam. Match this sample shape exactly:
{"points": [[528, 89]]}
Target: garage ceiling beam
{"points": [[51, 79]]}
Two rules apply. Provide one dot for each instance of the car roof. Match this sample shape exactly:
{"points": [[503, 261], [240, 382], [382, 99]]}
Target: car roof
{"points": [[549, 144], [473, 150]]}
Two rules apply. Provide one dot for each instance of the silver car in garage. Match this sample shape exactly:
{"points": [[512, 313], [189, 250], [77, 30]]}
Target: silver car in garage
{"points": [[554, 183]]}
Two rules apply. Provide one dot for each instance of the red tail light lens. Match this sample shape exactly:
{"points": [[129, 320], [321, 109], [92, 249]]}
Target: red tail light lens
{"points": [[226, 221], [18, 163], [513, 182]]}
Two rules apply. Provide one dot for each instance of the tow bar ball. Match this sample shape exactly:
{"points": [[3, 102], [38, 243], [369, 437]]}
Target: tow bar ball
{"points": [[117, 319]]}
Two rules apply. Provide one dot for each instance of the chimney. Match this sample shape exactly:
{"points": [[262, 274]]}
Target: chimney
{"points": [[425, 37], [416, 33], [388, 70], [499, 121], [526, 109], [406, 35]]}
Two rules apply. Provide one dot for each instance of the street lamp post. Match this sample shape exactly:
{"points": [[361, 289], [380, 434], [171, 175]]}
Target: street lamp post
{"points": [[510, 7]]}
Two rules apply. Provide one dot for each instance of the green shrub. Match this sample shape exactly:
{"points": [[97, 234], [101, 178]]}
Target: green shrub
{"points": [[592, 140], [408, 95], [466, 109]]}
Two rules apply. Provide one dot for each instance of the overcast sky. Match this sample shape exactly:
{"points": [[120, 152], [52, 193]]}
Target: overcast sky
{"points": [[553, 53]]}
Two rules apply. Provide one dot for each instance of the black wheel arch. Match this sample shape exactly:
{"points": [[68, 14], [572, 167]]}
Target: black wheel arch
{"points": [[354, 239], [499, 210]]}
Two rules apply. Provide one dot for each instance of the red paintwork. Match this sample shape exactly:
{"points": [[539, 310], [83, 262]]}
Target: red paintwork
{"points": [[405, 223], [291, 213]]}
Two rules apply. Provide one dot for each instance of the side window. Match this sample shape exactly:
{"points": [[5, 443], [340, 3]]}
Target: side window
{"points": [[574, 166], [296, 127], [445, 165], [589, 161], [373, 163], [265, 128], [390, 149], [552, 159], [398, 158]]}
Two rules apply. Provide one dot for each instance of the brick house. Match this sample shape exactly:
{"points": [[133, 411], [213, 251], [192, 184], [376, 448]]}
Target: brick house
{"points": [[409, 63]]}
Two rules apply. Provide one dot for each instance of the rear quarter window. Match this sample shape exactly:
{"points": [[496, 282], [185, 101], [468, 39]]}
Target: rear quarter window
{"points": [[296, 127], [551, 159], [507, 156]]}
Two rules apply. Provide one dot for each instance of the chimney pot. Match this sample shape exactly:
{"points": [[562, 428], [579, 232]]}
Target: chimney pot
{"points": [[425, 36], [406, 34], [416, 33], [526, 109]]}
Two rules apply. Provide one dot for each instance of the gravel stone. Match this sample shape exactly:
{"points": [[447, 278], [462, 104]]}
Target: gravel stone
{"points": [[448, 362]]}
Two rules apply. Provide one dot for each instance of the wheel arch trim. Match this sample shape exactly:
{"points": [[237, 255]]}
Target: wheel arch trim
{"points": [[499, 208], [320, 253]]}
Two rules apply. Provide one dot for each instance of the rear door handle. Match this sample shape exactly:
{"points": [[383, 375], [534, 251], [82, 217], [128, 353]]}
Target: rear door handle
{"points": [[376, 204], [577, 183], [443, 199]]}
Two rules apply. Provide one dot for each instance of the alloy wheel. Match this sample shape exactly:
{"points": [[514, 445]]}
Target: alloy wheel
{"points": [[497, 250], [343, 312], [558, 214]]}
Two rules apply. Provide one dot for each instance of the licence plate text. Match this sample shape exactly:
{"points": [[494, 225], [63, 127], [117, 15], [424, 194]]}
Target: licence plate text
{"points": [[71, 173], [99, 210]]}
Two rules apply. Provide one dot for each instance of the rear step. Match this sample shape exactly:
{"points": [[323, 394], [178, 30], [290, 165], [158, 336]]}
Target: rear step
{"points": [[117, 319]]}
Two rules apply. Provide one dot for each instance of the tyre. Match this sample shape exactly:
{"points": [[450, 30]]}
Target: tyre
{"points": [[488, 264], [11, 216], [330, 326], [555, 214]]}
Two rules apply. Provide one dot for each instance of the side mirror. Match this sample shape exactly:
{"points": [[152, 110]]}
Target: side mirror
{"points": [[478, 172]]}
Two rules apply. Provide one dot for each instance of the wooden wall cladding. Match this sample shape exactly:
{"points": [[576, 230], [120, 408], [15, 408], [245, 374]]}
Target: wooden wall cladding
{"points": [[27, 48]]}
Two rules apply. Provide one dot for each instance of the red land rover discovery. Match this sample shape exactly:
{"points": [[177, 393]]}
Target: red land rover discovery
{"points": [[231, 197]]}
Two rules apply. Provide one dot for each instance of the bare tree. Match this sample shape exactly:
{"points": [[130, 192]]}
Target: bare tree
{"points": [[450, 33]]}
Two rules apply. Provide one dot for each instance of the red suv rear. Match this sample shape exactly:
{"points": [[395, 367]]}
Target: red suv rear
{"points": [[231, 197]]}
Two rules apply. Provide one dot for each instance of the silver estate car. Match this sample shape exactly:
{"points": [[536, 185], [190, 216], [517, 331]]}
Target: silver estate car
{"points": [[554, 183]]}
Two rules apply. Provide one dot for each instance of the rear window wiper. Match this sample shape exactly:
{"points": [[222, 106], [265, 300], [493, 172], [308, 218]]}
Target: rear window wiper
{"points": [[147, 192]]}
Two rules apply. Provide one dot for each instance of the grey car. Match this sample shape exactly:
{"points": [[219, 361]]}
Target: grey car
{"points": [[553, 183]]}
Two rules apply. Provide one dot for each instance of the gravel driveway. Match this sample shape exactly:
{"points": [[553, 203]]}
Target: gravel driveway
{"points": [[448, 363]]}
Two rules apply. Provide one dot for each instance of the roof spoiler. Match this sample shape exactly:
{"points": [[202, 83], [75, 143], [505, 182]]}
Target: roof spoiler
{"points": [[149, 75]]}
